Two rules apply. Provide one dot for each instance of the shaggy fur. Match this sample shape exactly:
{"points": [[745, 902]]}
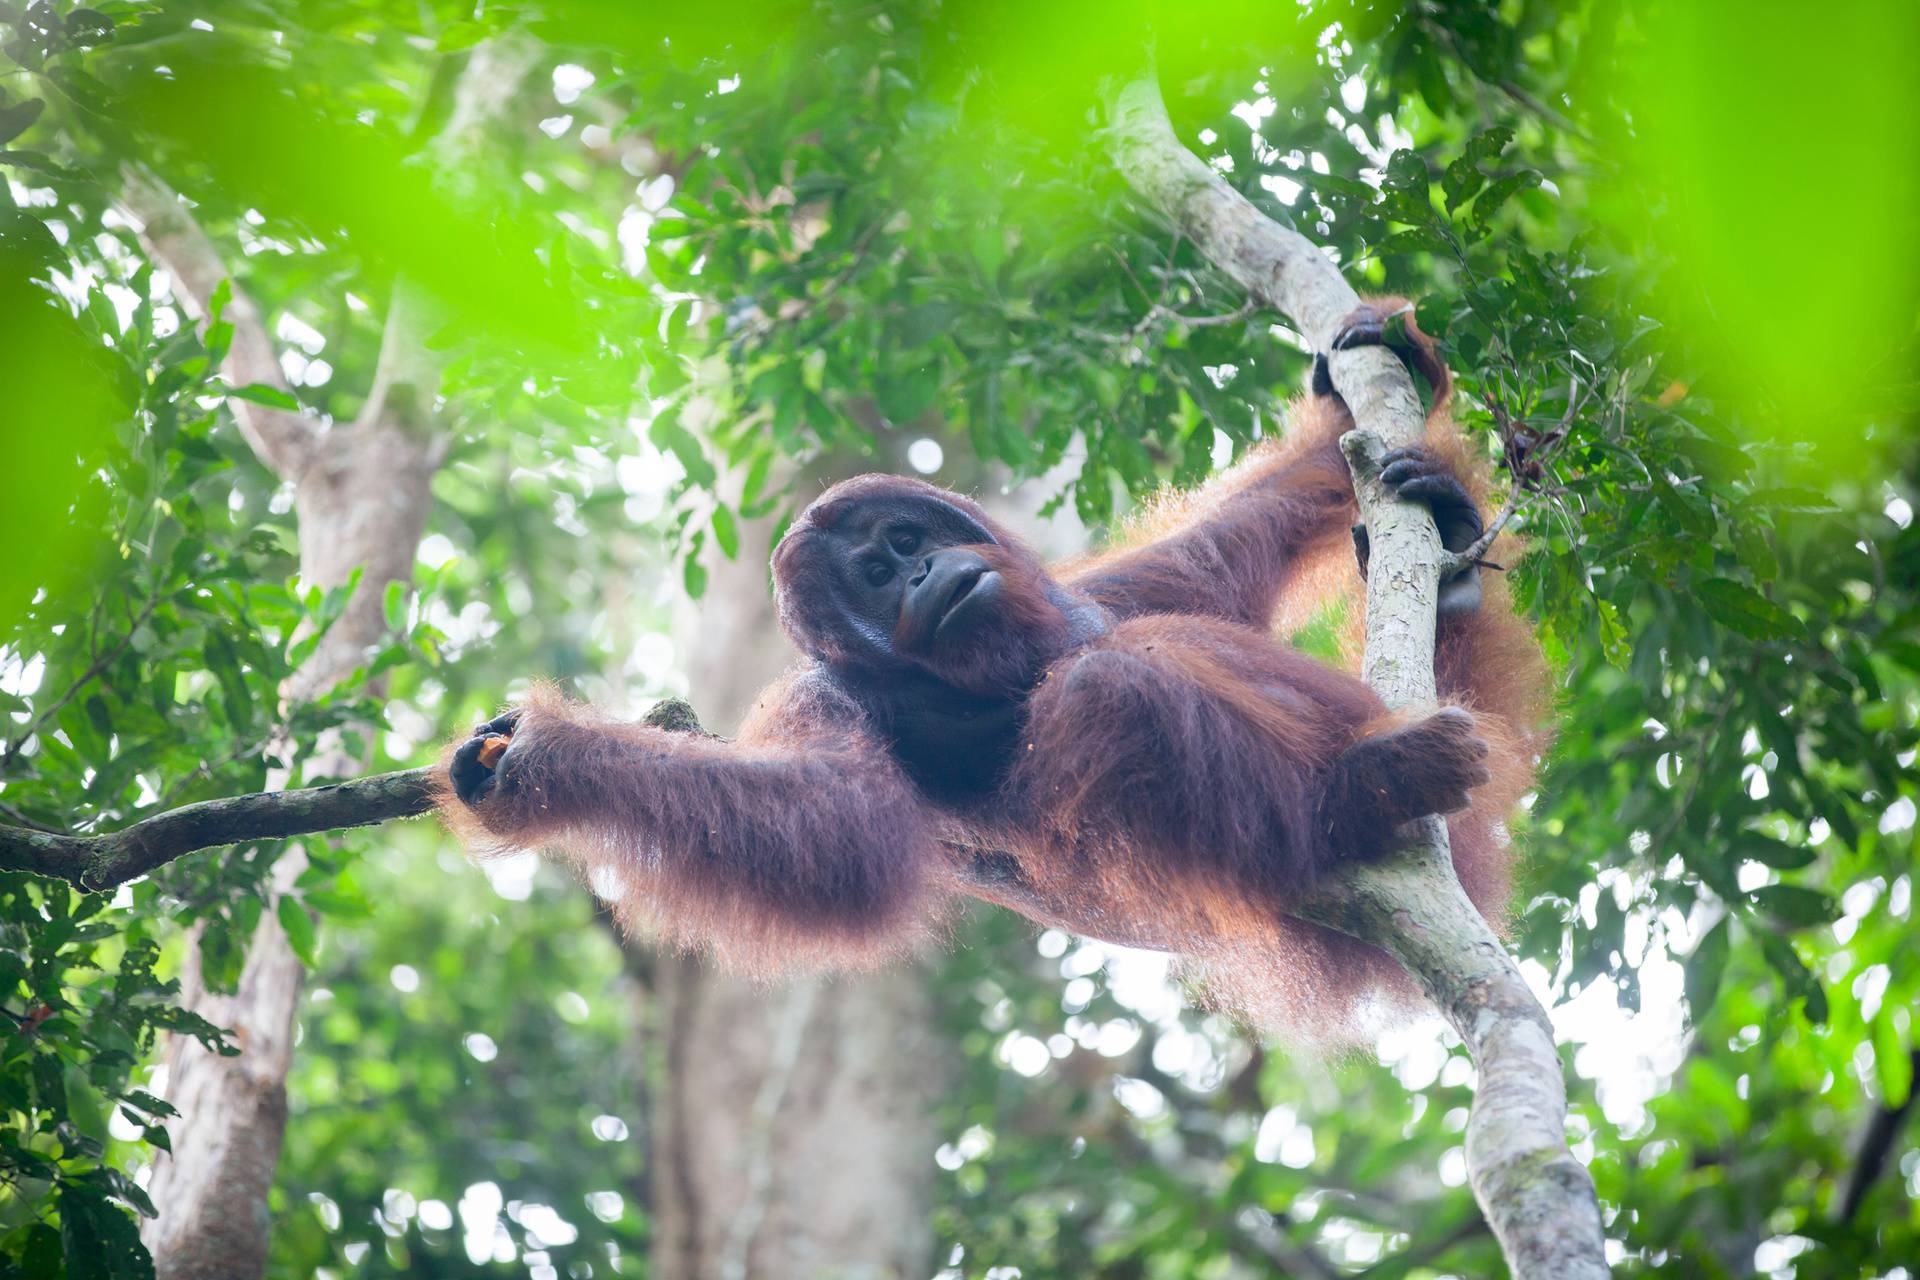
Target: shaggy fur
{"points": [[1158, 766], [794, 845]]}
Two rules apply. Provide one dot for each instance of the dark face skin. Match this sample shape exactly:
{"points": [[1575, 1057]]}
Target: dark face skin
{"points": [[909, 575], [885, 578]]}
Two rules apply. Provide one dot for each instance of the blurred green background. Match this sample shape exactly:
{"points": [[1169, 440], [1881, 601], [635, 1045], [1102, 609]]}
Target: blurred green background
{"points": [[644, 277]]}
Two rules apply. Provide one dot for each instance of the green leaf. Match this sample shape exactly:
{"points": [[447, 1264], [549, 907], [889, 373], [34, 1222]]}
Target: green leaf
{"points": [[225, 662], [298, 924], [1460, 182], [456, 36], [1420, 240], [340, 904], [1615, 642], [1690, 511], [88, 27], [40, 1254], [1745, 610], [16, 119], [41, 163], [1430, 74], [1794, 904], [1798, 980], [219, 338], [1498, 192], [1715, 458], [146, 1102], [1837, 809], [99, 717], [1892, 1062], [99, 1238], [667, 433], [922, 324], [1816, 996], [1705, 968], [725, 532], [1407, 172], [86, 1108], [1755, 552], [1770, 852], [758, 471], [1789, 498], [1463, 178], [261, 393], [393, 605]]}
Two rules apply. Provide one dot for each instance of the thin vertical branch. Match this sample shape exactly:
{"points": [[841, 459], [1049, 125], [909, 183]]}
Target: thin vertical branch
{"points": [[287, 440]]}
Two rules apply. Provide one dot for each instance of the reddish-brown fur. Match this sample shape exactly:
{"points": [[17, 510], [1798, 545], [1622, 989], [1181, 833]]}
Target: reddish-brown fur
{"points": [[1179, 774]]}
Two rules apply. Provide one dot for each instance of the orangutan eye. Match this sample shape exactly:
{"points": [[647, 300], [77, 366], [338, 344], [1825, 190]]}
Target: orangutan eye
{"points": [[906, 542], [879, 574]]}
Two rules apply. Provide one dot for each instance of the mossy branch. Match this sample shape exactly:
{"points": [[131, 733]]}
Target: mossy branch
{"points": [[106, 861]]}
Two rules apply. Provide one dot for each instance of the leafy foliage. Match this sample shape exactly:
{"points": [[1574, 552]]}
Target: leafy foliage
{"points": [[735, 242], [141, 676]]}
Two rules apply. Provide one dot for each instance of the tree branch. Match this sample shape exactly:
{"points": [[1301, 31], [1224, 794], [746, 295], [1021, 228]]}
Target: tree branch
{"points": [[1876, 1144], [487, 85], [103, 862], [406, 374], [1537, 1197], [286, 440], [107, 861]]}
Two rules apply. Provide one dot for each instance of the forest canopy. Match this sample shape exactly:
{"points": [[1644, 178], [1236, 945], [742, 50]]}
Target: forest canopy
{"points": [[365, 361]]}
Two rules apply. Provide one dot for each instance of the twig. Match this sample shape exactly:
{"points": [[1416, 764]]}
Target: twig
{"points": [[98, 665], [1511, 88], [207, 768], [1158, 311], [1420, 1254], [1454, 561], [1518, 484], [22, 819]]}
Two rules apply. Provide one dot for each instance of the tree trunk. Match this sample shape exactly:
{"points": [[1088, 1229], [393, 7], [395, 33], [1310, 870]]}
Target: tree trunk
{"points": [[366, 507], [362, 491], [792, 1136]]}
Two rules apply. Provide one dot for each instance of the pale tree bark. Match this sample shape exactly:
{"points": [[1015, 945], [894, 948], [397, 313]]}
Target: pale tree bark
{"points": [[362, 494], [1537, 1197], [792, 1133]]}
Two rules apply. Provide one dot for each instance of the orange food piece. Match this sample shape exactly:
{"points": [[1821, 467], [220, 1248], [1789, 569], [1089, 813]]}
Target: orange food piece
{"points": [[493, 748]]}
